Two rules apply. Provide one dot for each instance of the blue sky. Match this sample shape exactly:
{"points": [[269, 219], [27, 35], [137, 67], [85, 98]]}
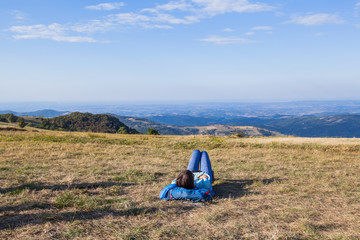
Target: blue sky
{"points": [[180, 50]]}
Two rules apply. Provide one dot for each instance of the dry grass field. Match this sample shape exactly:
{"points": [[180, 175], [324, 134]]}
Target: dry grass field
{"points": [[105, 186]]}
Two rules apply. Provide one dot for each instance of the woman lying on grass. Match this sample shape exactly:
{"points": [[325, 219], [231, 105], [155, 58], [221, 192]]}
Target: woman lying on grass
{"points": [[193, 177], [192, 184]]}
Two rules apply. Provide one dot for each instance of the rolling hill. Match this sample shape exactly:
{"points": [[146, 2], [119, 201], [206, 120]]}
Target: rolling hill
{"points": [[324, 126], [39, 113], [141, 125]]}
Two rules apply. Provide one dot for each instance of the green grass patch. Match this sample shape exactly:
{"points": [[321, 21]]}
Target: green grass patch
{"points": [[312, 230], [138, 177], [91, 138], [69, 199], [15, 192], [208, 144], [136, 233], [47, 138], [191, 144], [70, 234], [12, 138], [217, 139]]}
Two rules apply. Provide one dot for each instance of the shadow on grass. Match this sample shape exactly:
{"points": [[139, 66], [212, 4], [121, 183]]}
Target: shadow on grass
{"points": [[12, 221], [60, 187], [25, 207], [237, 188]]}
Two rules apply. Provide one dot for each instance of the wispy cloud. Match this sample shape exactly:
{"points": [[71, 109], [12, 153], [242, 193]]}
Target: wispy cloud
{"points": [[93, 26], [167, 18], [225, 40], [249, 33], [215, 7], [18, 15], [356, 9], [54, 32], [164, 16], [266, 28], [316, 19], [228, 30], [357, 25], [200, 9], [106, 6], [181, 5], [153, 20]]}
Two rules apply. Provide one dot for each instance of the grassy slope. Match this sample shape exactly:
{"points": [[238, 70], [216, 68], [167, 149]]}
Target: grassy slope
{"points": [[97, 186]]}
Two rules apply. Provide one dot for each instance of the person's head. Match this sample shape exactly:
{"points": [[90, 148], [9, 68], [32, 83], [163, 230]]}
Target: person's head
{"points": [[185, 180]]}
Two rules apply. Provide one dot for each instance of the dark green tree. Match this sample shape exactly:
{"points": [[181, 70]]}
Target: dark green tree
{"points": [[21, 122], [11, 118], [86, 122], [239, 133], [152, 131], [122, 130]]}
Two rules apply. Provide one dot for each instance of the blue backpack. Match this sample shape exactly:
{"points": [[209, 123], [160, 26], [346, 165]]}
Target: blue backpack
{"points": [[173, 192]]}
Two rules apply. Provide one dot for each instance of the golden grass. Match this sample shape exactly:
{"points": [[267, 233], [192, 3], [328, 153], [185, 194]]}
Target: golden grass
{"points": [[106, 186]]}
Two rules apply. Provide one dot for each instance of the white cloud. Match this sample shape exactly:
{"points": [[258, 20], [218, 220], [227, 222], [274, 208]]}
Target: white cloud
{"points": [[262, 28], [357, 25], [316, 19], [214, 7], [53, 31], [106, 6], [249, 33], [181, 5], [199, 9], [93, 26], [225, 40], [228, 30], [208, 8], [153, 20], [356, 9], [127, 18], [157, 26], [163, 16]]}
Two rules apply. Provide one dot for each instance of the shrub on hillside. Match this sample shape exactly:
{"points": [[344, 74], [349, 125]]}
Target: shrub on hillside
{"points": [[239, 133], [21, 122], [86, 122], [122, 130], [152, 131], [9, 117]]}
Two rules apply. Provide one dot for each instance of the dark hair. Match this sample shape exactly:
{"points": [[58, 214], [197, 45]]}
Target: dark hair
{"points": [[185, 180]]}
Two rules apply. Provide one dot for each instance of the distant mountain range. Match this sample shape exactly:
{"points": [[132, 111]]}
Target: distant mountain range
{"points": [[303, 126], [199, 109], [316, 125], [313, 126], [40, 113]]}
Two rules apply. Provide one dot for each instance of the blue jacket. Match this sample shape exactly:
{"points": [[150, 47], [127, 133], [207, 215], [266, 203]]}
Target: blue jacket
{"points": [[173, 192], [202, 192]]}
